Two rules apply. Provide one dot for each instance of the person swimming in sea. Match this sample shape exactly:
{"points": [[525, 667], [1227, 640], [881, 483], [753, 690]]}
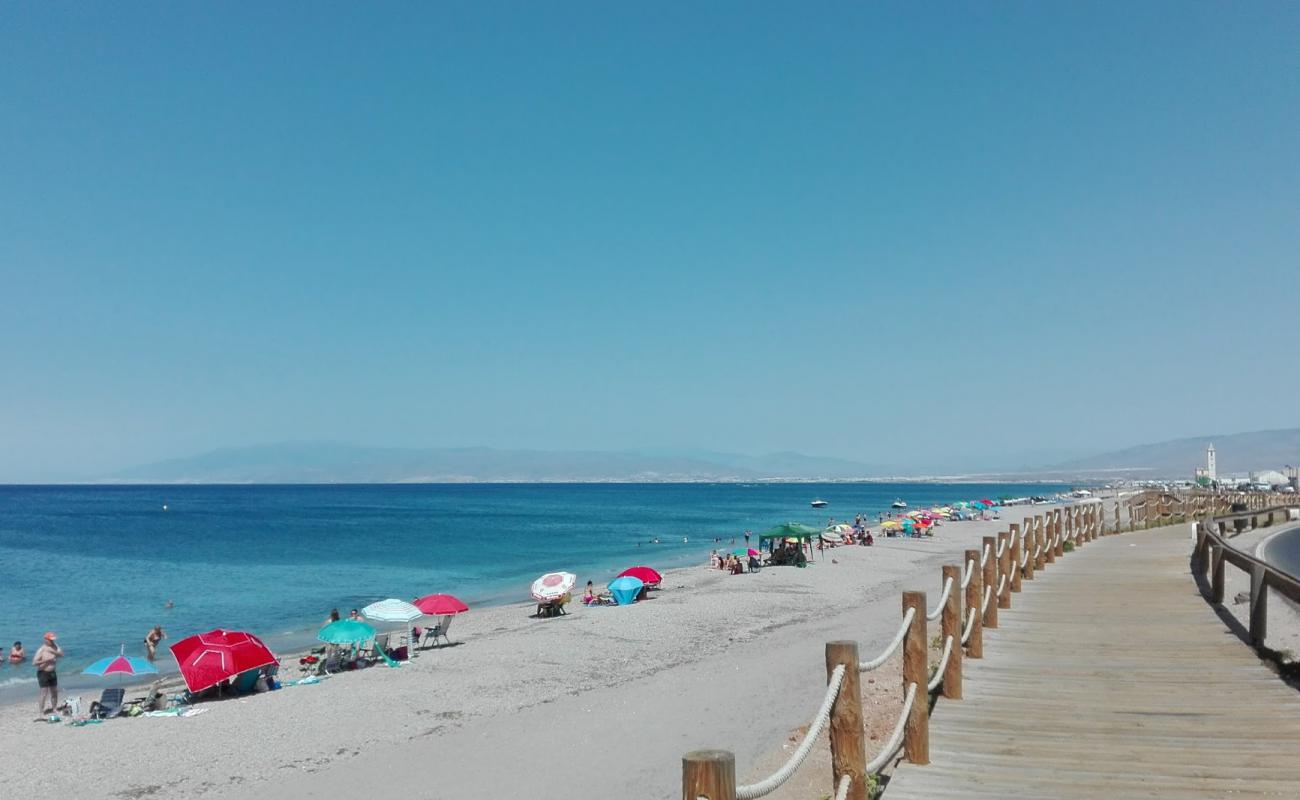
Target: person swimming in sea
{"points": [[17, 654]]}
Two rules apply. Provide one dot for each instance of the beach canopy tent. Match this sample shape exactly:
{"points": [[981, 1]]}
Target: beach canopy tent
{"points": [[207, 659], [121, 664], [391, 612], [625, 589], [790, 530], [346, 631], [552, 586], [440, 605], [646, 575]]}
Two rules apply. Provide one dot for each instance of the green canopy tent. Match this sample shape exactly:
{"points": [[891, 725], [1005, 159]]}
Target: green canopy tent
{"points": [[790, 530]]}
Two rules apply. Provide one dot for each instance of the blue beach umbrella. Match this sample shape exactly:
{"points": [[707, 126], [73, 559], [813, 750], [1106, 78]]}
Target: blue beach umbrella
{"points": [[121, 664], [625, 589], [346, 631]]}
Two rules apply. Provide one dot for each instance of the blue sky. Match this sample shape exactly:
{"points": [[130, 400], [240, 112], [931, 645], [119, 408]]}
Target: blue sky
{"points": [[976, 234]]}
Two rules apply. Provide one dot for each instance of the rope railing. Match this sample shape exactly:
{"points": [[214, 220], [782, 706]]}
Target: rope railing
{"points": [[970, 571], [988, 592], [943, 600], [943, 665], [815, 728], [984, 557], [970, 626], [1002, 546], [867, 666], [896, 738], [846, 782]]}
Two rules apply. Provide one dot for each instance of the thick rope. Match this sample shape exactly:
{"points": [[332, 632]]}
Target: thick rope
{"points": [[970, 626], [1002, 545], [1002, 584], [1024, 555], [943, 665], [866, 666], [896, 738], [943, 601], [815, 728], [970, 570], [984, 558], [988, 590], [843, 792]]}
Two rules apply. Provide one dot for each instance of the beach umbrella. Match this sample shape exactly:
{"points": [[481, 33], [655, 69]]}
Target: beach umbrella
{"points": [[121, 664], [391, 612], [207, 659], [625, 589], [553, 585], [790, 530], [440, 605], [890, 524], [346, 631], [649, 576]]}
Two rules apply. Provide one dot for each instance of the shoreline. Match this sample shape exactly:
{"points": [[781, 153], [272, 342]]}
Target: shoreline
{"points": [[712, 660]]}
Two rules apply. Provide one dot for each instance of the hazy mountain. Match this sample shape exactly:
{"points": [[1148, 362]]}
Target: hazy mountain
{"points": [[340, 463], [1236, 452]]}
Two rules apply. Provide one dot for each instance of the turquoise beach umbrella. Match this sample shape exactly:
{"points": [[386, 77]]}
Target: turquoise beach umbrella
{"points": [[120, 664], [346, 631], [625, 589]]}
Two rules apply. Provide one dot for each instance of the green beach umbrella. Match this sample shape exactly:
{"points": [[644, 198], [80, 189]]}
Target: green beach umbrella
{"points": [[790, 530], [346, 631]]}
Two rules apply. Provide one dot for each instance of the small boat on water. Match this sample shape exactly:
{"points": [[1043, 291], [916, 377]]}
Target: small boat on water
{"points": [[819, 504], [898, 504]]}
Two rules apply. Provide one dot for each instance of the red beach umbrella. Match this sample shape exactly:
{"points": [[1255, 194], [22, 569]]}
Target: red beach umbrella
{"points": [[439, 605], [646, 575], [207, 659]]}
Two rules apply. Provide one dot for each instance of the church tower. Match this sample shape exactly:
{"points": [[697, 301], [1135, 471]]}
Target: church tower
{"points": [[1210, 468]]}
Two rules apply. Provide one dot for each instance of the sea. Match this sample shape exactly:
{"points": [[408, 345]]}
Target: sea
{"points": [[1283, 551], [98, 565]]}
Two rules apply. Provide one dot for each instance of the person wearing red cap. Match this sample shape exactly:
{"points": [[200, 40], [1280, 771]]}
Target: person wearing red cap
{"points": [[46, 677]]}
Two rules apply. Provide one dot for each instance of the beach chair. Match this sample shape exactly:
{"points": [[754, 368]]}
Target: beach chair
{"points": [[149, 702], [109, 704]]}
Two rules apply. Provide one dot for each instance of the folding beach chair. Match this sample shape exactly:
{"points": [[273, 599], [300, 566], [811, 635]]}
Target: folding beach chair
{"points": [[109, 704]]}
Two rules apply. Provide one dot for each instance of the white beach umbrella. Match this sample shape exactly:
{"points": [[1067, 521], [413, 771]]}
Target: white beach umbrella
{"points": [[392, 611], [553, 586]]}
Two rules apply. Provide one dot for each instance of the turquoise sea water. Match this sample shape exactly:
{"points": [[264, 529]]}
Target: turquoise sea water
{"points": [[97, 564]]}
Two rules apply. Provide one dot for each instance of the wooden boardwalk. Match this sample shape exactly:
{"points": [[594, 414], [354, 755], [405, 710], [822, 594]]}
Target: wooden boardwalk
{"points": [[1112, 677]]}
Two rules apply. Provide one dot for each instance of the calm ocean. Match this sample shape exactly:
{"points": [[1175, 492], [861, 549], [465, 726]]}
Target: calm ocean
{"points": [[97, 564]]}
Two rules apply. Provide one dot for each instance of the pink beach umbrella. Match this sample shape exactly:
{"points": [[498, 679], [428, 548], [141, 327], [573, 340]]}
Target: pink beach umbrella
{"points": [[440, 605]]}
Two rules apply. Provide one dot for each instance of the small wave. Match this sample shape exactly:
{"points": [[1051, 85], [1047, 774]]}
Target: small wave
{"points": [[16, 681]]}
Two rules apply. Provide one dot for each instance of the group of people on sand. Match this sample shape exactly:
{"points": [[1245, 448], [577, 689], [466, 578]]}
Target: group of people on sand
{"points": [[731, 563], [46, 659]]}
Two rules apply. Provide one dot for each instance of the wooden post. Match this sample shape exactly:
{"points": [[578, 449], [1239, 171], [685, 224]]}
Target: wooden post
{"points": [[709, 775], [1060, 537], [916, 669], [1027, 542], [1016, 546], [848, 733], [1070, 516], [1116, 518], [1216, 574], [1258, 606], [1040, 542], [991, 582], [1049, 539], [1004, 571], [951, 623], [974, 591]]}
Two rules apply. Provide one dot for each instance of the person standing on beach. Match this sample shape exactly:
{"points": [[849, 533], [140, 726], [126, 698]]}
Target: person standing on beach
{"points": [[46, 657], [151, 641]]}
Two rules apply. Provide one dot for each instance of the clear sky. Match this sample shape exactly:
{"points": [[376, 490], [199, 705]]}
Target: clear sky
{"points": [[971, 234]]}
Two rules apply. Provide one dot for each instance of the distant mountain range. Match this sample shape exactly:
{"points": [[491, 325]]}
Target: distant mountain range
{"points": [[343, 463], [1235, 453]]}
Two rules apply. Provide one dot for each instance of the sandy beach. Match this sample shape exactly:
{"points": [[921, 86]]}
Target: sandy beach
{"points": [[603, 700]]}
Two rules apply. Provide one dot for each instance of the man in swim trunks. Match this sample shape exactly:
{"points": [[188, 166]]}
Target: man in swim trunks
{"points": [[46, 657]]}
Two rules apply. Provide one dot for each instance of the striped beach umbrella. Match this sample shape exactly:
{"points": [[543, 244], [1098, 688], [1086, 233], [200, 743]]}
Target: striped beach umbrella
{"points": [[391, 612], [121, 664]]}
